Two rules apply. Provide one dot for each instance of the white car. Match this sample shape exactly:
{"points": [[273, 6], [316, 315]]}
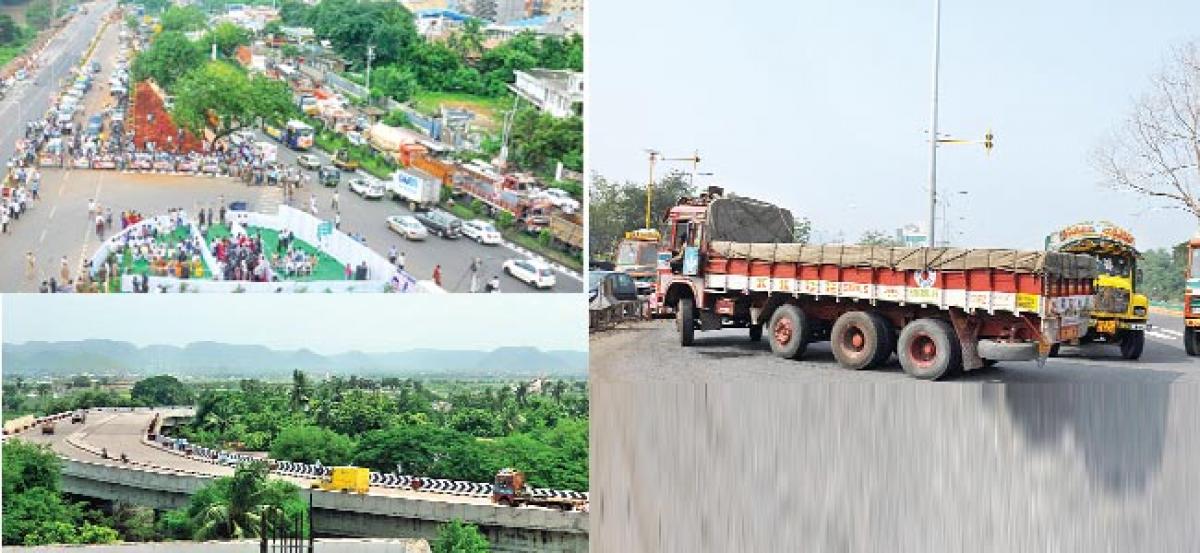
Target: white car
{"points": [[481, 231], [531, 272], [308, 161], [561, 199], [407, 226], [372, 190]]}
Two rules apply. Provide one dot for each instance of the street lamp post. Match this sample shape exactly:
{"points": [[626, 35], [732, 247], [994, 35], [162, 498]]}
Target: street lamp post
{"points": [[933, 129]]}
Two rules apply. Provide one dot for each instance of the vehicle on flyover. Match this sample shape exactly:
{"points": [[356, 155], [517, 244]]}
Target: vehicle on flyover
{"points": [[78, 416], [1191, 300], [1119, 314], [48, 427], [509, 489], [345, 479], [732, 263]]}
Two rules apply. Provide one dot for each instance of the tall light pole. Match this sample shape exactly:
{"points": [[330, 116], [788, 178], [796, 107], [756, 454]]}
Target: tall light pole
{"points": [[933, 128], [370, 57], [654, 155]]}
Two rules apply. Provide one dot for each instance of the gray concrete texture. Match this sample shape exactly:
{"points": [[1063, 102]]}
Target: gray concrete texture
{"points": [[726, 448]]}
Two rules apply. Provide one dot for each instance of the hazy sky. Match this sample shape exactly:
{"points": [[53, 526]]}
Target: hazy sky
{"points": [[325, 323], [821, 106]]}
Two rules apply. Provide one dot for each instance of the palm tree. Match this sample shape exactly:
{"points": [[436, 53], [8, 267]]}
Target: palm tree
{"points": [[470, 39], [239, 511], [522, 392], [557, 390]]}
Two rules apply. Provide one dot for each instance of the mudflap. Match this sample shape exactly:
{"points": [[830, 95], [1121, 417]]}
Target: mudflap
{"points": [[967, 329]]}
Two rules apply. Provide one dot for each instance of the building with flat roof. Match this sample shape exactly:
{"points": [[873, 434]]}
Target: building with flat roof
{"points": [[554, 91]]}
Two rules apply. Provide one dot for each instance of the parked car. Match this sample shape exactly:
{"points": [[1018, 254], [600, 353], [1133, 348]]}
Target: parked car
{"points": [[372, 190], [530, 271], [441, 223], [329, 176], [308, 161], [623, 287], [481, 231], [561, 199], [407, 226]]}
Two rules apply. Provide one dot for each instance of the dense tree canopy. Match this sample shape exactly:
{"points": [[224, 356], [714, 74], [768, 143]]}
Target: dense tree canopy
{"points": [[168, 58], [161, 390], [183, 18], [309, 444], [35, 512], [220, 98], [1163, 273], [457, 536], [615, 208], [227, 37]]}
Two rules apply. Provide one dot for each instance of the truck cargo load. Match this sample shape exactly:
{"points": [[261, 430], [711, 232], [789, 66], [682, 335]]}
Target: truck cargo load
{"points": [[731, 262], [567, 229], [389, 140], [345, 479]]}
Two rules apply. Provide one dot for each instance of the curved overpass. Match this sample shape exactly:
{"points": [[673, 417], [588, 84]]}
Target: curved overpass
{"points": [[159, 477]]}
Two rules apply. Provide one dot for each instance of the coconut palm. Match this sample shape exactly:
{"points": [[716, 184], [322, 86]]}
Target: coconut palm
{"points": [[237, 505]]}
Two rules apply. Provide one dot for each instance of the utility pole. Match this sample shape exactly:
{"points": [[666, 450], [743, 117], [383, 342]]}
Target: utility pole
{"points": [[933, 128], [654, 155], [370, 58]]}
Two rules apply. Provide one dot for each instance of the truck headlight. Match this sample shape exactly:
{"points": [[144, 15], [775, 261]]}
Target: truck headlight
{"points": [[1139, 311]]}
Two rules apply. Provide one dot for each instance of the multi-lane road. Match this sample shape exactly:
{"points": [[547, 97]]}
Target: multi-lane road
{"points": [[729, 448], [58, 225]]}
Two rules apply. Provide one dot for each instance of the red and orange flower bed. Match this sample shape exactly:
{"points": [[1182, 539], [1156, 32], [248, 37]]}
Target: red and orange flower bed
{"points": [[152, 123]]}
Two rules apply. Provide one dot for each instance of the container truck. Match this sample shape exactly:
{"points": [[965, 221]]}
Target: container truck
{"points": [[1191, 299], [1119, 314], [731, 263], [419, 189]]}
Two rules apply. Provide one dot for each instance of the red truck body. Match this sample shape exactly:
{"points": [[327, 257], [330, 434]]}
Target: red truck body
{"points": [[1191, 299], [940, 310]]}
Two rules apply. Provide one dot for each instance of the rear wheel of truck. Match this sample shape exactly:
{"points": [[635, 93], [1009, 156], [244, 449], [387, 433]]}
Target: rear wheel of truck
{"points": [[1191, 341], [860, 340], [685, 321], [756, 332], [1132, 343], [789, 332], [929, 349]]}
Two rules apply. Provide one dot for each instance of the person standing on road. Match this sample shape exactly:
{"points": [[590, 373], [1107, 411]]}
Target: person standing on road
{"points": [[64, 270], [337, 220], [30, 265], [437, 275], [400, 261], [91, 207], [475, 266], [392, 254], [36, 185], [334, 204], [4, 219], [99, 225], [493, 286]]}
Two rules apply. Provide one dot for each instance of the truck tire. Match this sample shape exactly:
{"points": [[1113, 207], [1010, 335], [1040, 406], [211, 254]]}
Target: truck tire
{"points": [[789, 331], [928, 349], [859, 341], [1132, 343], [756, 332], [685, 321], [1191, 341]]}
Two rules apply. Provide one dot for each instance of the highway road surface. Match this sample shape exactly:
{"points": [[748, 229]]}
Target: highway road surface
{"points": [[723, 447], [122, 432]]}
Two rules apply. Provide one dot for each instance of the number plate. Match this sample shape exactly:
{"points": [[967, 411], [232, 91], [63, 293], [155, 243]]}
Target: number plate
{"points": [[1193, 322], [1068, 333], [1106, 327]]}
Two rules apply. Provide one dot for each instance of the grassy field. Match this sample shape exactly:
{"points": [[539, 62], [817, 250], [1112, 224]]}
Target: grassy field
{"points": [[487, 110]]}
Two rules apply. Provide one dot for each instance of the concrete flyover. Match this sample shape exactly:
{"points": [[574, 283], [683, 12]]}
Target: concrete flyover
{"points": [[156, 476]]}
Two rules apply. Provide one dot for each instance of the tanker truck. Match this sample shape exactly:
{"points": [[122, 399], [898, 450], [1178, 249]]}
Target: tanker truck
{"points": [[732, 263]]}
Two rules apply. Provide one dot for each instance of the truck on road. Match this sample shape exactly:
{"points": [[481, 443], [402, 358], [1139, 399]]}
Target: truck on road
{"points": [[419, 189], [298, 135], [732, 263], [509, 490], [1119, 314], [79, 416], [345, 479], [1191, 299], [567, 229]]}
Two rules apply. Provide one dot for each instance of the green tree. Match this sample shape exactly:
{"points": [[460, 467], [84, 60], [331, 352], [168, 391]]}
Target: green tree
{"points": [[457, 536], [233, 507], [183, 18], [398, 83], [9, 31], [168, 58], [301, 390], [35, 512], [135, 523], [38, 15], [308, 444], [162, 390], [227, 37], [1163, 273], [219, 98], [878, 238]]}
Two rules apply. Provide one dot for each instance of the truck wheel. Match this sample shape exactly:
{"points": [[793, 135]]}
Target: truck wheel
{"points": [[1191, 341], [859, 341], [685, 321], [1132, 344], [756, 332], [789, 332], [928, 349]]}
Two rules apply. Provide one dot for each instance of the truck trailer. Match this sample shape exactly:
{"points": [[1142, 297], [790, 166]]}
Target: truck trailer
{"points": [[510, 490], [731, 263], [418, 189]]}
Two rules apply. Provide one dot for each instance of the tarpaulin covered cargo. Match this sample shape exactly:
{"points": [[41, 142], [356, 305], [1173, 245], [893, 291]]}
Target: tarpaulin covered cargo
{"points": [[748, 220], [912, 259]]}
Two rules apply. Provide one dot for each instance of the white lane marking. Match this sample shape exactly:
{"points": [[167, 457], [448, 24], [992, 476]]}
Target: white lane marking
{"points": [[1169, 331], [53, 209], [43, 237], [1163, 336]]}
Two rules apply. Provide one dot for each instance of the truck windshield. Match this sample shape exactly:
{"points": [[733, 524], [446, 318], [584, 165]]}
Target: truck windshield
{"points": [[1195, 267], [1113, 265], [636, 253]]}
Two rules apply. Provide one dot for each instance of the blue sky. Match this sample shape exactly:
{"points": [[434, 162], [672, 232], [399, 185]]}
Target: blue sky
{"points": [[821, 106], [325, 323]]}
